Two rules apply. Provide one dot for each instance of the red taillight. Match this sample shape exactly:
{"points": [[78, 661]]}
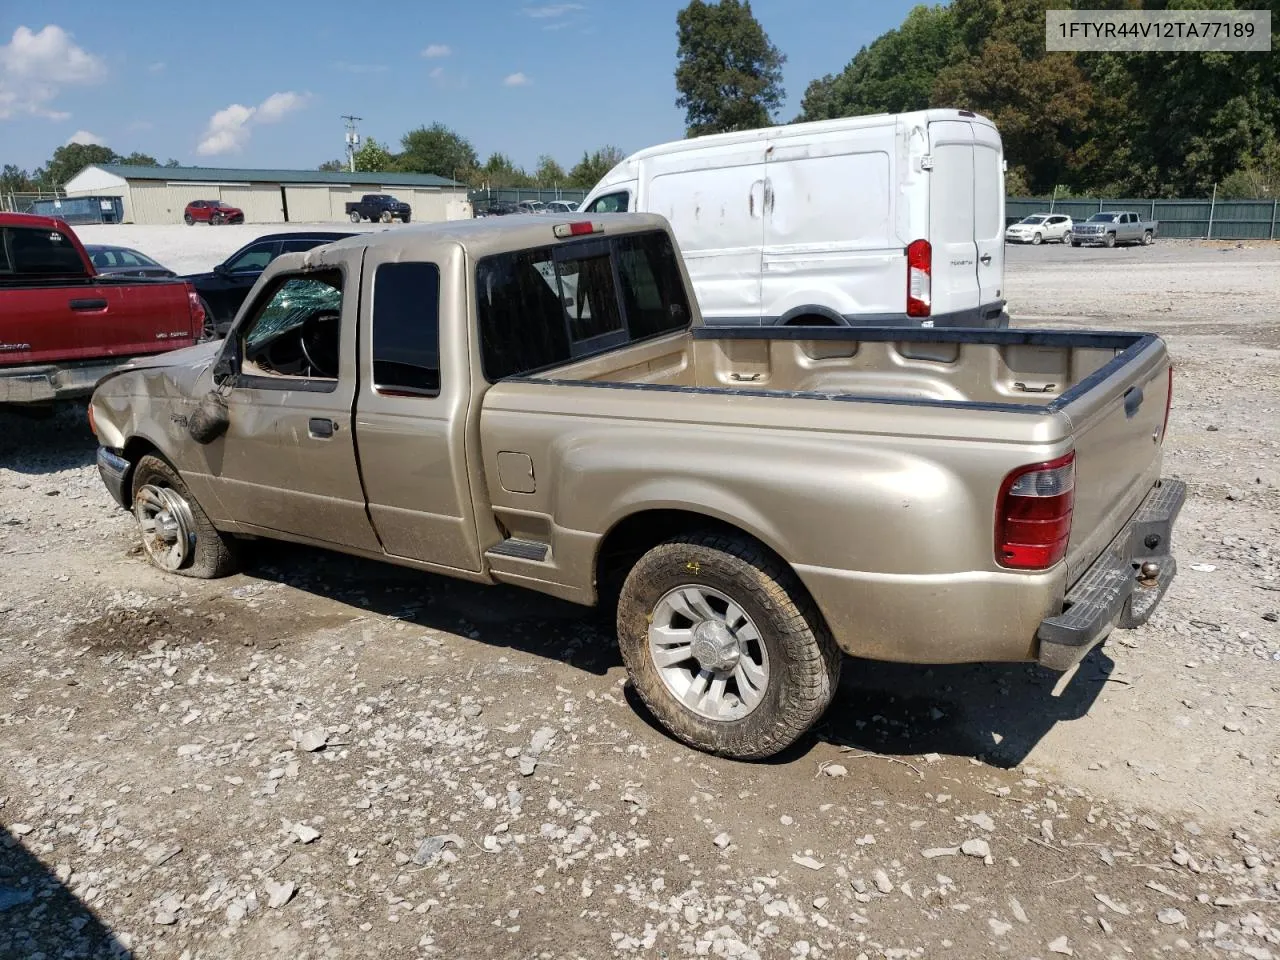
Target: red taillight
{"points": [[1033, 514], [579, 228], [1168, 405], [198, 317], [919, 278]]}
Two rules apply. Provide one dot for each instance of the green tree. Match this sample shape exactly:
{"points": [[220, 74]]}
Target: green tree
{"points": [[439, 150], [171, 162], [729, 74], [330, 166], [70, 159], [373, 157], [500, 171], [895, 73], [549, 173], [593, 166], [136, 159], [14, 180]]}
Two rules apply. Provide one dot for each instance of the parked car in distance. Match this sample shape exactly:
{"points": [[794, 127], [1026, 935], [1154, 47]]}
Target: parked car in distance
{"points": [[64, 324], [124, 262], [1040, 228], [497, 208], [759, 501], [1114, 226], [531, 206], [560, 206], [212, 212], [380, 207], [224, 288], [884, 219]]}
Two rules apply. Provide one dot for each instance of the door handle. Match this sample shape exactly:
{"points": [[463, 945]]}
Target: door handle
{"points": [[986, 259], [1132, 401], [88, 303], [321, 428]]}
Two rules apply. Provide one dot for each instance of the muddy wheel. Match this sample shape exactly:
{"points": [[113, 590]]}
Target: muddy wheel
{"points": [[355, 216], [1110, 240], [1148, 238], [386, 216], [176, 533], [725, 646], [1037, 239]]}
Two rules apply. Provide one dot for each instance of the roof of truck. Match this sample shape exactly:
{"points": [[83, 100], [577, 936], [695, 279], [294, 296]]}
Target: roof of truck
{"points": [[487, 235]]}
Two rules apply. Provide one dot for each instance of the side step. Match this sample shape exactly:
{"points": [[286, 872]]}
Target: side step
{"points": [[521, 550]]}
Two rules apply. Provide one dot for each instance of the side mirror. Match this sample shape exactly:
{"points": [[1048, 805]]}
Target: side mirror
{"points": [[221, 270], [210, 419]]}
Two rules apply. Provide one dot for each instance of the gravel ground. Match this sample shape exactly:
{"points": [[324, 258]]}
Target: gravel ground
{"points": [[330, 758]]}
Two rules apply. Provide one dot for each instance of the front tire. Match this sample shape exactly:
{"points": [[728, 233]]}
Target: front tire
{"points": [[386, 216], [177, 535], [1037, 239], [189, 220], [1110, 240], [215, 220], [725, 646]]}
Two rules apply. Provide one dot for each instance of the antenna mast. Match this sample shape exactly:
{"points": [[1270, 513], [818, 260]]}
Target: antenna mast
{"points": [[353, 140]]}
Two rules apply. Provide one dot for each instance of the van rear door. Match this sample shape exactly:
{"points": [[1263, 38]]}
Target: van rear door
{"points": [[952, 234], [714, 199], [988, 214]]}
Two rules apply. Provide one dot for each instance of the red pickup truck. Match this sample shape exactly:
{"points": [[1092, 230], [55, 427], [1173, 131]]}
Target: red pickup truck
{"points": [[63, 326]]}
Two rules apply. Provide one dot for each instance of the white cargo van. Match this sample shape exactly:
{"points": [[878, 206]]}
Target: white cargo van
{"points": [[885, 220]]}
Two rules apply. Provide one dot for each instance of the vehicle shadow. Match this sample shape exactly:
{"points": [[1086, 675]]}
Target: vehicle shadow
{"points": [[39, 916], [497, 616], [46, 442]]}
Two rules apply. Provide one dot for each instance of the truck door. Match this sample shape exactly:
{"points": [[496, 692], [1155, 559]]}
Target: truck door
{"points": [[988, 216], [411, 411], [955, 289], [715, 199], [287, 460]]}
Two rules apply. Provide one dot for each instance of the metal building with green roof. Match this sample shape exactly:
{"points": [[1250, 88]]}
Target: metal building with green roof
{"points": [[157, 195]]}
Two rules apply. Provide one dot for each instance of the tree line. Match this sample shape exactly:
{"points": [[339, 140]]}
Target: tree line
{"points": [[1136, 124], [66, 162], [446, 153]]}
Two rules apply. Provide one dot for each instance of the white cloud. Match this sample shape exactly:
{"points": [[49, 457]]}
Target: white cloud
{"points": [[516, 80], [436, 73], [230, 128], [436, 51], [35, 66], [87, 138], [552, 10]]}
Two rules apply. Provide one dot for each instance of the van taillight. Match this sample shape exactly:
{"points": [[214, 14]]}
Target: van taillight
{"points": [[1033, 514], [1168, 405], [919, 278]]}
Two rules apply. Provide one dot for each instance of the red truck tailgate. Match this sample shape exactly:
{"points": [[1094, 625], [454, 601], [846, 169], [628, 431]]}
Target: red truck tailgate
{"points": [[99, 318]]}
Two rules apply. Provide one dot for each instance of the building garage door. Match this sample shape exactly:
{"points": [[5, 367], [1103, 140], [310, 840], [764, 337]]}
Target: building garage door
{"points": [[261, 202], [308, 204]]}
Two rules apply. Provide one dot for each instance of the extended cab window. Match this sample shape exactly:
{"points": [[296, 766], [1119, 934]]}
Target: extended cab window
{"points": [[295, 332], [39, 253], [406, 329], [540, 308]]}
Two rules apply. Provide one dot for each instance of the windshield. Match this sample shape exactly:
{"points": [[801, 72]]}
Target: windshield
{"points": [[1103, 218], [1037, 218]]}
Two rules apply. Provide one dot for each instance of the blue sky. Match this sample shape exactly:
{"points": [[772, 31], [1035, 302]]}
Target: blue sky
{"points": [[263, 85]]}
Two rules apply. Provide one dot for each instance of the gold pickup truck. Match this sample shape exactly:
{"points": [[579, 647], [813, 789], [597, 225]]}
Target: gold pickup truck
{"points": [[525, 401]]}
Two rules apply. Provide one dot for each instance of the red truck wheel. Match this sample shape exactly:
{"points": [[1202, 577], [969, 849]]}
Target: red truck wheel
{"points": [[725, 646]]}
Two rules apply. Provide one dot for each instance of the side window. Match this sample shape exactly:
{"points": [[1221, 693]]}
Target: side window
{"points": [[254, 259], [520, 314], [298, 246], [652, 288], [295, 331], [406, 329], [41, 253], [590, 299], [610, 203]]}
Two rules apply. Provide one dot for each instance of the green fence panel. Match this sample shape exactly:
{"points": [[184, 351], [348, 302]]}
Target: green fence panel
{"points": [[1179, 218]]}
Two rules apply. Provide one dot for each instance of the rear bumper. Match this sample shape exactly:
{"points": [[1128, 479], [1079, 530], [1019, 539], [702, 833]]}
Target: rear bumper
{"points": [[114, 471], [1111, 593], [47, 383]]}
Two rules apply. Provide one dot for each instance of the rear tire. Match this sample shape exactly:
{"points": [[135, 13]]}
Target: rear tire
{"points": [[1037, 239], [751, 612], [1148, 238], [210, 331], [177, 535], [355, 216]]}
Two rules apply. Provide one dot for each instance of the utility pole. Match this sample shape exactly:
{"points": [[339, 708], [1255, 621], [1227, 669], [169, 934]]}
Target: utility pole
{"points": [[353, 140]]}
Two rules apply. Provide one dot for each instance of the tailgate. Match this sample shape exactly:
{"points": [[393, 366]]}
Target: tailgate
{"points": [[1118, 429], [52, 323]]}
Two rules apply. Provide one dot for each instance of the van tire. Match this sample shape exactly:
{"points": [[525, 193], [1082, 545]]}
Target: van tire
{"points": [[800, 657], [1109, 240], [208, 553]]}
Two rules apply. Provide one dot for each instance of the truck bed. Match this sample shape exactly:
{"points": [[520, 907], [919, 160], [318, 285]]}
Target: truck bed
{"points": [[909, 422]]}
